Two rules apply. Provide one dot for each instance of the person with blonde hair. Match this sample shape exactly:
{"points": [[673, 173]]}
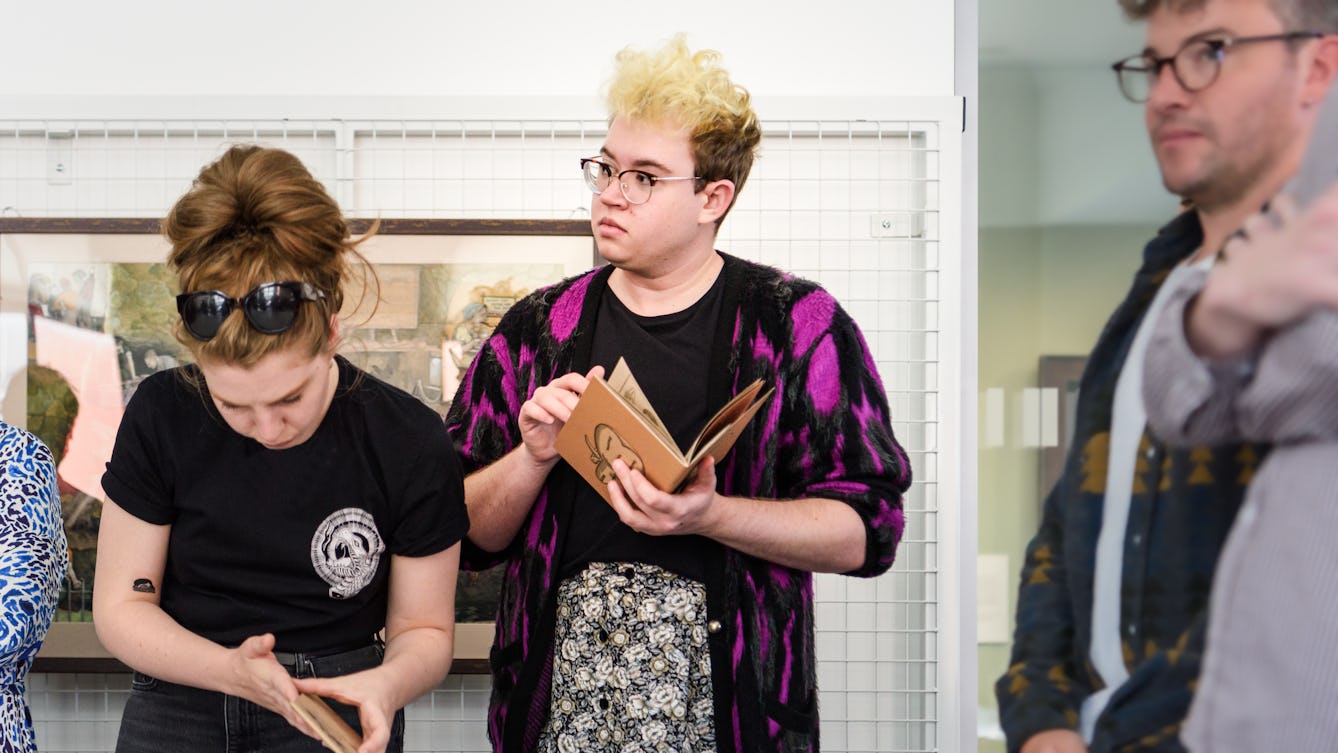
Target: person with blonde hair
{"points": [[672, 620], [272, 509]]}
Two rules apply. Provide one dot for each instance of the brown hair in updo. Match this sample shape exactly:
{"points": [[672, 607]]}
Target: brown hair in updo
{"points": [[257, 215]]}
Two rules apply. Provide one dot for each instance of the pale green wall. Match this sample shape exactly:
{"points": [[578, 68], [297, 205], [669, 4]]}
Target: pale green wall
{"points": [[1067, 184], [1043, 290]]}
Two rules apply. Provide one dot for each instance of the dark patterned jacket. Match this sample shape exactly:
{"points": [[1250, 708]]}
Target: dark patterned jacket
{"points": [[825, 433], [1182, 507]]}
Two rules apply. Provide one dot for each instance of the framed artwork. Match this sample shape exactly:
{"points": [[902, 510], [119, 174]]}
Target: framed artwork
{"points": [[86, 313], [1064, 375]]}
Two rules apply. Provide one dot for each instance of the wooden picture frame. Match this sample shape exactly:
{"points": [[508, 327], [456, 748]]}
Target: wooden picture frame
{"points": [[444, 285]]}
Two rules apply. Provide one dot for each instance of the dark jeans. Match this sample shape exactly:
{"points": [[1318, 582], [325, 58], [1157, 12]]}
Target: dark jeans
{"points": [[163, 717]]}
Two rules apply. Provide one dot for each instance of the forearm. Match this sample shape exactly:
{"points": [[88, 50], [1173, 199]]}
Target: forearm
{"points": [[416, 661], [1190, 398], [818, 535], [131, 623], [147, 639], [499, 497]]}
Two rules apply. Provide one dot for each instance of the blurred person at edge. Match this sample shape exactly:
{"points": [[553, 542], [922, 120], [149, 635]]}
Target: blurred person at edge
{"points": [[1113, 608], [1246, 351]]}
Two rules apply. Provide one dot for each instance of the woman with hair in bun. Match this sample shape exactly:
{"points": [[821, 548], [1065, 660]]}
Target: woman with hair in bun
{"points": [[272, 508]]}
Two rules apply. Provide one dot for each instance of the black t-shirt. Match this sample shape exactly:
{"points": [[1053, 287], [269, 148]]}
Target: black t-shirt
{"points": [[670, 357], [297, 541]]}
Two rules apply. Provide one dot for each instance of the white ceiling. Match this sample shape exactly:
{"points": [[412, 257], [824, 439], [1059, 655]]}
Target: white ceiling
{"points": [[1055, 32]]}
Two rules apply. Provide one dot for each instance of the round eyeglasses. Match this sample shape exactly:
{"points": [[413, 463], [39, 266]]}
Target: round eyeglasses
{"points": [[270, 307], [636, 185], [1195, 65]]}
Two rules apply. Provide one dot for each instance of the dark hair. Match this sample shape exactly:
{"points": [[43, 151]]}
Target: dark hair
{"points": [[257, 215], [1296, 15]]}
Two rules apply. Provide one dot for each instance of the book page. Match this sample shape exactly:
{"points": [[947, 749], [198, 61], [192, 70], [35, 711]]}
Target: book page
{"points": [[719, 444], [731, 411], [624, 384]]}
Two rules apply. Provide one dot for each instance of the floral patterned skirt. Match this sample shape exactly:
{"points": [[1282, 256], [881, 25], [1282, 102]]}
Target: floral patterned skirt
{"points": [[632, 672]]}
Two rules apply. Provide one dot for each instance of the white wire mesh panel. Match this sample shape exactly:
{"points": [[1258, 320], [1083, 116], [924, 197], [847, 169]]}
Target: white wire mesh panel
{"points": [[131, 168], [852, 204], [476, 169]]}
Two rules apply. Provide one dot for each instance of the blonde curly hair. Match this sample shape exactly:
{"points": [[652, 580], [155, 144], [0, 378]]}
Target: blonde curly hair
{"points": [[690, 90]]}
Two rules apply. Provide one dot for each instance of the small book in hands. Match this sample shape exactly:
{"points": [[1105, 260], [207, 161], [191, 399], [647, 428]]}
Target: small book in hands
{"points": [[613, 419], [335, 733]]}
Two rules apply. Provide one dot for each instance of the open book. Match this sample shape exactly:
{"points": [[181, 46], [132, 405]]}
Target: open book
{"points": [[614, 420]]}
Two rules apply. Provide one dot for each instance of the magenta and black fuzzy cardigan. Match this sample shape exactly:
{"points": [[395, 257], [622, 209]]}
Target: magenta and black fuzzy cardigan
{"points": [[826, 433]]}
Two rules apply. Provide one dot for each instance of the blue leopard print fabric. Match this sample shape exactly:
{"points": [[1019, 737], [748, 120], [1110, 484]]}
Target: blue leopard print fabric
{"points": [[33, 558]]}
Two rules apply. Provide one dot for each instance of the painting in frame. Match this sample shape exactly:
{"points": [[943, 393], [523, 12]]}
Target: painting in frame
{"points": [[88, 312]]}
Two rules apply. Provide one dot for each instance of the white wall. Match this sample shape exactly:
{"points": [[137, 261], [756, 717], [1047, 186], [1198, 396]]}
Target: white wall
{"points": [[74, 57], [1061, 146], [1096, 164], [1009, 146]]}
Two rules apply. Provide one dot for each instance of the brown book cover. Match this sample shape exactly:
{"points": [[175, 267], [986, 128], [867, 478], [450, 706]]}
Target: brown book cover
{"points": [[613, 419], [334, 731]]}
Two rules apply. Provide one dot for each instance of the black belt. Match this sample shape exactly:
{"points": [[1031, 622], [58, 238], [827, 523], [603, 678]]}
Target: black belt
{"points": [[314, 660]]}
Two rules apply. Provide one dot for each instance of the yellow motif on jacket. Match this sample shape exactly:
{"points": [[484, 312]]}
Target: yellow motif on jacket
{"points": [[1044, 559], [1249, 460], [1095, 457], [1017, 682], [1200, 475]]}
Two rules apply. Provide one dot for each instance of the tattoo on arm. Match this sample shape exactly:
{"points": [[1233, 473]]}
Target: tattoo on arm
{"points": [[144, 586]]}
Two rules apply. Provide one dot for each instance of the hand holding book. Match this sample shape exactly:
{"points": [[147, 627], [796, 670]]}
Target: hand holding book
{"points": [[614, 420]]}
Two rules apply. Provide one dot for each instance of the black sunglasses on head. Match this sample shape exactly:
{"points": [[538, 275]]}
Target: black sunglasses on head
{"points": [[270, 307]]}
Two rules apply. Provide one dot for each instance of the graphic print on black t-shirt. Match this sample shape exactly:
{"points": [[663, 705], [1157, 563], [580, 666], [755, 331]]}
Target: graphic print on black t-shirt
{"points": [[296, 542], [346, 550]]}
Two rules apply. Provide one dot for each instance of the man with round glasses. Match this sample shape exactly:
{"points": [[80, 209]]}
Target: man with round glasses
{"points": [[672, 621], [1113, 607]]}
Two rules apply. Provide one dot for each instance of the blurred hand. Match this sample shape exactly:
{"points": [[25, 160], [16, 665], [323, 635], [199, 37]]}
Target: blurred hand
{"points": [[1282, 266], [1055, 741]]}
